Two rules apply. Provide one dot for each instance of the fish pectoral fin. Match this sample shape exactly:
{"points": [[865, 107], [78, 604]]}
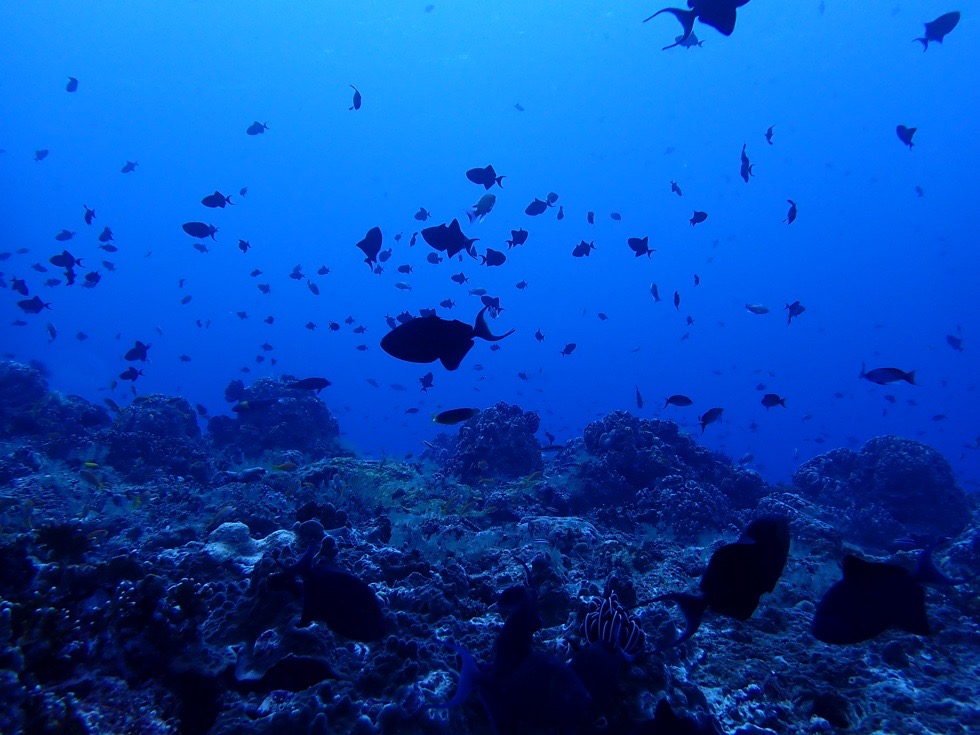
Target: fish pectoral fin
{"points": [[453, 357], [686, 18], [481, 330]]}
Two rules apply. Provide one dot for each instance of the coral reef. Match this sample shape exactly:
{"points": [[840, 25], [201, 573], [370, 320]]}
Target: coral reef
{"points": [[498, 443]]}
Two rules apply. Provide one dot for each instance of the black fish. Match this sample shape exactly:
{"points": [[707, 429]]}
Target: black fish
{"points": [[583, 249], [719, 14], [675, 189], [677, 400], [745, 169], [33, 305], [65, 260], [455, 416], [905, 135], [371, 246], [709, 417], [256, 128], [771, 400], [448, 238], [199, 230], [639, 398], [316, 384], [137, 352], [427, 339], [738, 574], [216, 200], [106, 235], [698, 217], [517, 237], [423, 214], [936, 30], [885, 375], [244, 245], [89, 215], [356, 101], [129, 167], [345, 603], [485, 177], [639, 246], [955, 342], [769, 134], [794, 309], [590, 217], [40, 155], [73, 83], [568, 349], [535, 208], [791, 215], [64, 236], [130, 373], [426, 382], [493, 257], [873, 597]]}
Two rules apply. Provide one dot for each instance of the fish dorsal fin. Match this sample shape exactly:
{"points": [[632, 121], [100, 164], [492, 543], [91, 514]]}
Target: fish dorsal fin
{"points": [[481, 330]]}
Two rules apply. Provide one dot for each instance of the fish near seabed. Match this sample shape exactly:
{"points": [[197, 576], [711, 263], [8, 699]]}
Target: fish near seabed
{"points": [[719, 14], [937, 29], [737, 576], [430, 338]]}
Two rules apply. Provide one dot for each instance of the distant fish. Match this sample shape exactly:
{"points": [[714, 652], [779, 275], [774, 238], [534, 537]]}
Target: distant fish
{"points": [[640, 246], [33, 305], [937, 29], [791, 214], [771, 400], [137, 352], [216, 200], [794, 310], [769, 134], [256, 128], [130, 373], [64, 236], [493, 257], [677, 400], [448, 238], [757, 308], [72, 85], [316, 384], [129, 167], [675, 189], [583, 249], [40, 154], [371, 246], [955, 342], [698, 217], [655, 292], [535, 208], [905, 135], [886, 375], [639, 398], [485, 177], [455, 416], [89, 215], [745, 169], [356, 100], [568, 349], [426, 382], [709, 417], [423, 214], [482, 208], [517, 237], [200, 230]]}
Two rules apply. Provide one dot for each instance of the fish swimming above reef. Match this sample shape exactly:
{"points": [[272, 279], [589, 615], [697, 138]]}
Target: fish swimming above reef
{"points": [[873, 597], [430, 338], [316, 384], [455, 416], [937, 29], [137, 352], [738, 574], [345, 603], [719, 14]]}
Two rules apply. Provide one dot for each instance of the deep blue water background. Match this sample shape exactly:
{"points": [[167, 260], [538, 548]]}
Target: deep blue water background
{"points": [[609, 121]]}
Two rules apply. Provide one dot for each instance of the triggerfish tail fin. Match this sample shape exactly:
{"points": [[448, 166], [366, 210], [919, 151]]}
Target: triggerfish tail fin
{"points": [[686, 18], [469, 678], [923, 41], [481, 330], [692, 606], [927, 573]]}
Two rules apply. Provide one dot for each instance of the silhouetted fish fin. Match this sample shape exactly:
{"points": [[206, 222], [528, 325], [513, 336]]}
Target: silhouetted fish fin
{"points": [[927, 573], [692, 606], [686, 18], [469, 678], [481, 330]]}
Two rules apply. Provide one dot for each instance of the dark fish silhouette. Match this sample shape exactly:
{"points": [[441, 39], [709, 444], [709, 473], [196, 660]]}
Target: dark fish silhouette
{"points": [[535, 208], [33, 305], [905, 135], [769, 134], [955, 342], [40, 154], [709, 417], [677, 300], [130, 373], [426, 382], [568, 349], [344, 602], [371, 246], [427, 339], [485, 177], [316, 384], [517, 237], [771, 400], [738, 574], [936, 30], [745, 169], [794, 309], [448, 238], [89, 215], [423, 214], [698, 217], [873, 597], [455, 416], [256, 128], [639, 246], [65, 260], [106, 235], [886, 375], [129, 167], [216, 200], [583, 249], [199, 230], [137, 352], [675, 189], [482, 208], [493, 257], [64, 236], [356, 101], [791, 214], [719, 14], [73, 83], [677, 400]]}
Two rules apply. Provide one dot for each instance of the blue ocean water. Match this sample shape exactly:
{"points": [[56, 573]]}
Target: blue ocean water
{"points": [[608, 120]]}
